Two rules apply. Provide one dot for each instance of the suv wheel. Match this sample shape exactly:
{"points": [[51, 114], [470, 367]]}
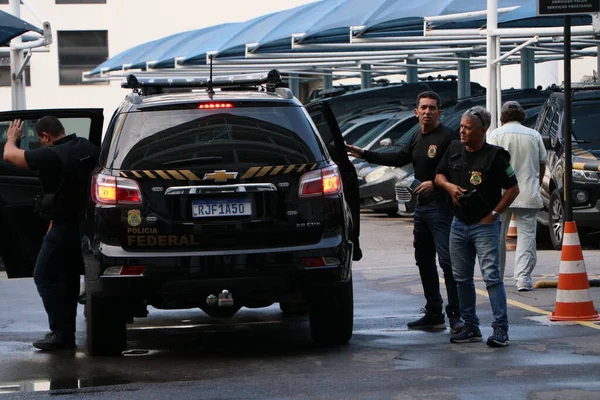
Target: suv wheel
{"points": [[556, 220], [332, 314], [106, 326]]}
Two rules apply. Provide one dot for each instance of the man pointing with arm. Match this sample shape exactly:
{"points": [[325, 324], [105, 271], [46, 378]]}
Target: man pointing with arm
{"points": [[432, 215]]}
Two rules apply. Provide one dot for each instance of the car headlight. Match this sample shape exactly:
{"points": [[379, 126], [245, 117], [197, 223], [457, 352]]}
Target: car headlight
{"points": [[586, 175], [376, 174]]}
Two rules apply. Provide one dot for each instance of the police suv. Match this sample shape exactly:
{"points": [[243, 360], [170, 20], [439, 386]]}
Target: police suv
{"points": [[217, 199]]}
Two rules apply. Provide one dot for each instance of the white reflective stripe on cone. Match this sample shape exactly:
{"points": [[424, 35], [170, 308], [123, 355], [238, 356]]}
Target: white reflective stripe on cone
{"points": [[573, 296], [572, 267], [571, 239]]}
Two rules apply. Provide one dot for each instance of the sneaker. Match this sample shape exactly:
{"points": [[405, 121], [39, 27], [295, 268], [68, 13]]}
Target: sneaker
{"points": [[456, 324], [499, 338], [429, 321], [54, 341], [524, 288], [468, 334]]}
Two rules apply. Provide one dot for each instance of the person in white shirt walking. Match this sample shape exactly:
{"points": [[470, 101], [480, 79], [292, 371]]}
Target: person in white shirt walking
{"points": [[528, 158]]}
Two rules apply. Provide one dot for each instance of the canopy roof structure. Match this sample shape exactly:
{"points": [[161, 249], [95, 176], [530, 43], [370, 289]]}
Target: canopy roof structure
{"points": [[11, 27], [388, 35]]}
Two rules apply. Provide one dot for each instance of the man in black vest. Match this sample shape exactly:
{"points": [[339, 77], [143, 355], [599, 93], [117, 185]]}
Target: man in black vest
{"points": [[432, 214], [64, 164], [474, 173]]}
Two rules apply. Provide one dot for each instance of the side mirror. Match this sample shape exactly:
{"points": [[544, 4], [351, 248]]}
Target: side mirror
{"points": [[386, 142], [547, 142]]}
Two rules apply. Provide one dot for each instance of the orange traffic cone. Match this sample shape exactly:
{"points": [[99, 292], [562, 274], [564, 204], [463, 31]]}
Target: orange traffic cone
{"points": [[573, 298], [511, 236]]}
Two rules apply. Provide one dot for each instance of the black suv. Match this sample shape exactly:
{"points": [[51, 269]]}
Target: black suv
{"points": [[219, 200], [586, 165]]}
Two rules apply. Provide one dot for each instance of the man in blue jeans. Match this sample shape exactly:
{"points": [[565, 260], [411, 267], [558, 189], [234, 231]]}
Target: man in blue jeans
{"points": [[432, 213], [475, 173]]}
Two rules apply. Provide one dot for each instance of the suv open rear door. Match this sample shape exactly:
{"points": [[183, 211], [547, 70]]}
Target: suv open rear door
{"points": [[21, 228], [328, 128]]}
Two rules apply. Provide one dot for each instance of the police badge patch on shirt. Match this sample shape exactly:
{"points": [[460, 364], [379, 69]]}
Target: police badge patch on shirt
{"points": [[432, 151], [510, 171], [475, 178]]}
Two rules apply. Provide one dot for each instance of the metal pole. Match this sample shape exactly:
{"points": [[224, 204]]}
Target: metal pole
{"points": [[491, 96], [365, 76], [498, 83], [412, 74], [294, 84], [328, 79], [527, 69], [464, 77], [567, 125], [598, 63], [16, 60]]}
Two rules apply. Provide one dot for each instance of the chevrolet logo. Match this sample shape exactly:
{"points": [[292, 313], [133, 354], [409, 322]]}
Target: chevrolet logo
{"points": [[221, 176]]}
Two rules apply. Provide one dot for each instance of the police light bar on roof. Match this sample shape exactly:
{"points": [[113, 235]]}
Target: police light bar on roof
{"points": [[271, 80]]}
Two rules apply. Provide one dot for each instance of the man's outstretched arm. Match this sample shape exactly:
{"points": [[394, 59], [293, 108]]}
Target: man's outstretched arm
{"points": [[12, 153]]}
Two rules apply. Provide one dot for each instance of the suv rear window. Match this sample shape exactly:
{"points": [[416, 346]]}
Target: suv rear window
{"points": [[269, 135]]}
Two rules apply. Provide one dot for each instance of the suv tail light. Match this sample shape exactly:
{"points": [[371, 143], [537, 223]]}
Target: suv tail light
{"points": [[112, 190], [322, 182]]}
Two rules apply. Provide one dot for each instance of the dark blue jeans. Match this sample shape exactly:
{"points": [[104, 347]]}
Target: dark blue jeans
{"points": [[56, 276], [431, 236], [482, 241]]}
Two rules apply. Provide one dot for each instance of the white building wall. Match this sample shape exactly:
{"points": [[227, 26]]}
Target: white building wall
{"points": [[129, 23]]}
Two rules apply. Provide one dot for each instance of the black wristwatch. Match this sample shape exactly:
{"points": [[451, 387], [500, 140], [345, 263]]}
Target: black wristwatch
{"points": [[495, 214]]}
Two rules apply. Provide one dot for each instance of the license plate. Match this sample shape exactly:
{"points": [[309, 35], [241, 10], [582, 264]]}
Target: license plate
{"points": [[402, 207], [221, 208]]}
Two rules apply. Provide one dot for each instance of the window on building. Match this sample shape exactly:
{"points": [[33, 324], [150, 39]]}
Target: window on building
{"points": [[80, 51], [5, 79], [80, 1]]}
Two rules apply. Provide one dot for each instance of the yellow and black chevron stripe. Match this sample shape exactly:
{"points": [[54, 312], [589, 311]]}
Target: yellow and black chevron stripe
{"points": [[257, 172], [171, 174], [187, 175], [582, 153], [586, 166]]}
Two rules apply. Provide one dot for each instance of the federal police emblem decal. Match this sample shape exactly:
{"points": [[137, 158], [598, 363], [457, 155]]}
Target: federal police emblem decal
{"points": [[134, 217], [432, 151], [475, 178]]}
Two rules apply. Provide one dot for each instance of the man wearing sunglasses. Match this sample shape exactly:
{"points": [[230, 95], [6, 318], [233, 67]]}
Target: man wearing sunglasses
{"points": [[432, 215], [474, 173]]}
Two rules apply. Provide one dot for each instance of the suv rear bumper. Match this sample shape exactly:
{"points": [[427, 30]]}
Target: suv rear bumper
{"points": [[185, 279]]}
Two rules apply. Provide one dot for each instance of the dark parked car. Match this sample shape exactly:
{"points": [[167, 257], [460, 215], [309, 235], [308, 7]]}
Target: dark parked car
{"points": [[212, 200], [585, 192]]}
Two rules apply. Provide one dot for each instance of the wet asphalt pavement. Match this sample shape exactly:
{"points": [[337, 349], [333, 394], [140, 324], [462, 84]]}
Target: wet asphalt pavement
{"points": [[259, 354]]}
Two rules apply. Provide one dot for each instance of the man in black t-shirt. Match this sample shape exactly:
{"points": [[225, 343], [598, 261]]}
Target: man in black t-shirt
{"points": [[432, 215], [475, 173], [64, 164]]}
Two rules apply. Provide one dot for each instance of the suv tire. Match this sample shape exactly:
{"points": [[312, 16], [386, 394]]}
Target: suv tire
{"points": [[332, 314], [556, 219], [106, 326]]}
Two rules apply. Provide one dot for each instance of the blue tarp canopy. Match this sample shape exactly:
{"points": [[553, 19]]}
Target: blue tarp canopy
{"points": [[320, 22], [11, 27]]}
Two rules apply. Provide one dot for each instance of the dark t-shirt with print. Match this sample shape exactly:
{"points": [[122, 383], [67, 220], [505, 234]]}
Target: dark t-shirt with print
{"points": [[482, 178]]}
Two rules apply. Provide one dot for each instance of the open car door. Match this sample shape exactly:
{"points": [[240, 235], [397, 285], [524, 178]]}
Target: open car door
{"points": [[326, 123], [21, 228]]}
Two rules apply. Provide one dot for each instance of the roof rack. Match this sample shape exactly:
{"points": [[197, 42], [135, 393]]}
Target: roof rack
{"points": [[580, 86], [148, 85]]}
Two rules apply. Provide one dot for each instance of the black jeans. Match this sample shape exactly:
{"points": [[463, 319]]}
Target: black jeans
{"points": [[432, 235], [56, 276]]}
